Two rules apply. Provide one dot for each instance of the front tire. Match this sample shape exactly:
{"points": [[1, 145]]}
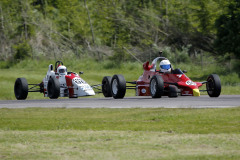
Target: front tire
{"points": [[53, 88], [156, 86], [173, 91], [21, 88], [213, 85], [106, 86], [118, 86]]}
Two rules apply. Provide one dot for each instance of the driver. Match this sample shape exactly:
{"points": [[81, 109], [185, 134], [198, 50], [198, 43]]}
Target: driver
{"points": [[165, 66], [62, 70]]}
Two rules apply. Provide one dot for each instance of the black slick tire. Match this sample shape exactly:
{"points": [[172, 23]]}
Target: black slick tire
{"points": [[173, 91], [53, 88], [21, 88], [213, 85], [156, 86], [106, 86], [118, 86]]}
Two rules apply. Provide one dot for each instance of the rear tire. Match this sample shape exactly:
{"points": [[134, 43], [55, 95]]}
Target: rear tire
{"points": [[118, 86], [213, 85], [53, 88], [21, 88], [173, 91], [156, 86], [106, 86]]}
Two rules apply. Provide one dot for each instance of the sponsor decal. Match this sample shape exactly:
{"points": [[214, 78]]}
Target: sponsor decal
{"points": [[179, 75], [187, 93], [190, 83], [143, 91], [86, 87]]}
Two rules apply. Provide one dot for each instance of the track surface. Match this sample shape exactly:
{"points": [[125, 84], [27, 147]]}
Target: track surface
{"points": [[224, 101]]}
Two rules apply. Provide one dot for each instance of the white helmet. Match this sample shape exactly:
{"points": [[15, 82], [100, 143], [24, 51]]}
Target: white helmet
{"points": [[62, 70], [165, 66]]}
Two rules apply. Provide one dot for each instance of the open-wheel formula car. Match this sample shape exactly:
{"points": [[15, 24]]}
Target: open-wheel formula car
{"points": [[156, 83], [56, 83]]}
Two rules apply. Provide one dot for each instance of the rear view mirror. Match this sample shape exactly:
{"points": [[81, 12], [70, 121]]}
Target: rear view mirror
{"points": [[184, 71], [81, 72]]}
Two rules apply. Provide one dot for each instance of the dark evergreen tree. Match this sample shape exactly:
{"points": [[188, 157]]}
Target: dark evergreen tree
{"points": [[228, 30]]}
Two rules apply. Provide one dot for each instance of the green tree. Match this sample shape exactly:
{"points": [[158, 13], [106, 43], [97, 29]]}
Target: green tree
{"points": [[228, 30], [22, 51]]}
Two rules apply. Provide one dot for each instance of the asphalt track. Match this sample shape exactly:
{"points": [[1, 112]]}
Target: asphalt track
{"points": [[224, 101]]}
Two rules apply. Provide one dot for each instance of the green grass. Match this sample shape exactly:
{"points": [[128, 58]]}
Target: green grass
{"points": [[124, 145], [194, 121], [124, 134], [35, 70]]}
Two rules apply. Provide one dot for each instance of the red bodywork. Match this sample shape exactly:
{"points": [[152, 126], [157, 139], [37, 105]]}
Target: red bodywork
{"points": [[180, 80], [69, 79]]}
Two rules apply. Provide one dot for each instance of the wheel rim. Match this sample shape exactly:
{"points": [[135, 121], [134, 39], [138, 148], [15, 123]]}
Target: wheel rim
{"points": [[153, 86], [114, 86]]}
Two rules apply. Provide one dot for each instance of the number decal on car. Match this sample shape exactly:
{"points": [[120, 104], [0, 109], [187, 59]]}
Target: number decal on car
{"points": [[190, 83]]}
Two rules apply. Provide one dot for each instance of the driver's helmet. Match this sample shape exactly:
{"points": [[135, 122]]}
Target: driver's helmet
{"points": [[62, 70], [165, 66]]}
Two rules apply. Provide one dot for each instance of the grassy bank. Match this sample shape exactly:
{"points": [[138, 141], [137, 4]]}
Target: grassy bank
{"points": [[123, 134], [35, 70]]}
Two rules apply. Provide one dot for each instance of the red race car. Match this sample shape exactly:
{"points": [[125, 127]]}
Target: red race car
{"points": [[163, 82]]}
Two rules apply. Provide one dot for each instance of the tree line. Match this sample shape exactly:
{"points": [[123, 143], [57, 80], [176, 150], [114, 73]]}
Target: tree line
{"points": [[114, 28]]}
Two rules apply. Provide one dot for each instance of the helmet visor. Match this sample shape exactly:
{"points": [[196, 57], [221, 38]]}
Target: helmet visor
{"points": [[168, 66], [61, 70]]}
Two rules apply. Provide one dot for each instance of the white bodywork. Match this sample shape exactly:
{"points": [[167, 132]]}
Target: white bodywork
{"points": [[77, 86], [82, 88]]}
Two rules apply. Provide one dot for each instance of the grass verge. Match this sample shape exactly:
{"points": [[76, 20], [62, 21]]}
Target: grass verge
{"points": [[156, 133]]}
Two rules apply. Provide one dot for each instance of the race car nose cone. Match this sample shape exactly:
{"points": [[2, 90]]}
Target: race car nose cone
{"points": [[196, 92]]}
